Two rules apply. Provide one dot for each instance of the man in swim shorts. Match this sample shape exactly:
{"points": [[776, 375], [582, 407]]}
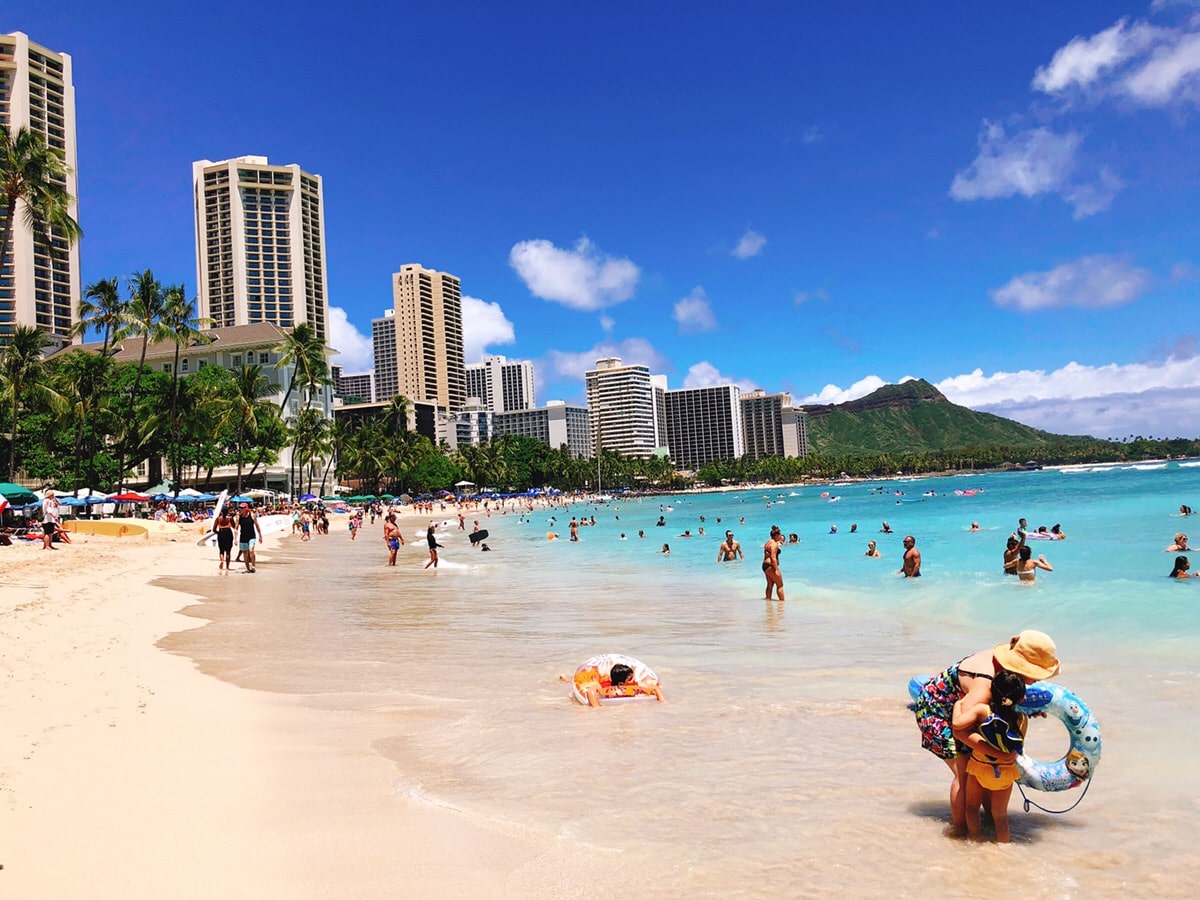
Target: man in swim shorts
{"points": [[392, 537], [249, 534], [911, 566], [729, 549]]}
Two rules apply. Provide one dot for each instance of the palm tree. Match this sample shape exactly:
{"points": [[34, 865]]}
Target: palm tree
{"points": [[100, 308], [82, 381], [243, 409], [305, 353], [337, 440], [142, 318], [179, 322], [32, 174], [20, 366]]}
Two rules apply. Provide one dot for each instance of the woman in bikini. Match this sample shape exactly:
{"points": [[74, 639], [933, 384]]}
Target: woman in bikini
{"points": [[770, 566], [1031, 654]]}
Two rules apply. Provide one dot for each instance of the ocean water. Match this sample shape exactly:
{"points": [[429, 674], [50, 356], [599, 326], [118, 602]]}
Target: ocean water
{"points": [[786, 761]]}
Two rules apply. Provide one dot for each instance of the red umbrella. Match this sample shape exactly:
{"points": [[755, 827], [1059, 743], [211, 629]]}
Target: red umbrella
{"points": [[129, 497]]}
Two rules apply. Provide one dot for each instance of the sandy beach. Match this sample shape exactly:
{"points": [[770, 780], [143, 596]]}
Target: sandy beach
{"points": [[124, 771]]}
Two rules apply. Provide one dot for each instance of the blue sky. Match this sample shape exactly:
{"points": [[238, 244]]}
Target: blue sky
{"points": [[819, 198]]}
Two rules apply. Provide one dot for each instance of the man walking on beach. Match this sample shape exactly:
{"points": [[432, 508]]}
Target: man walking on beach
{"points": [[51, 512], [911, 567], [249, 534]]}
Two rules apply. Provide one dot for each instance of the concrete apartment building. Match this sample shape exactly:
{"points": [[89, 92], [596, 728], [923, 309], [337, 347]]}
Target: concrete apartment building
{"points": [[704, 424], [418, 343], [359, 385], [500, 385], [260, 244], [627, 408], [556, 424], [39, 281], [772, 426]]}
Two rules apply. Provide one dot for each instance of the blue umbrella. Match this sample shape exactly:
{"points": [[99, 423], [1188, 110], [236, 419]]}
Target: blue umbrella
{"points": [[72, 501], [93, 499], [204, 498], [308, 496], [240, 499]]}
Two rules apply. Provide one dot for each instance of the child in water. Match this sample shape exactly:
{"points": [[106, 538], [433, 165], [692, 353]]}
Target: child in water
{"points": [[995, 768]]}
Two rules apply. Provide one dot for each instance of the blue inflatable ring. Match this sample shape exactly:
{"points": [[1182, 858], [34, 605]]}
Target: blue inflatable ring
{"points": [[1083, 755]]}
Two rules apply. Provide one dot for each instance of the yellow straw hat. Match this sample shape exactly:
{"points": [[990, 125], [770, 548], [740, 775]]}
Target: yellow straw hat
{"points": [[1030, 653]]}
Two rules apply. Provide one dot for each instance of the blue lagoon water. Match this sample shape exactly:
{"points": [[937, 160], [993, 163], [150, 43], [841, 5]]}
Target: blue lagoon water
{"points": [[786, 761]]}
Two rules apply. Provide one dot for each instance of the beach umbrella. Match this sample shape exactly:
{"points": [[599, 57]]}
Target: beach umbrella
{"points": [[93, 499], [203, 498], [17, 495], [308, 496], [241, 498], [464, 484], [129, 497]]}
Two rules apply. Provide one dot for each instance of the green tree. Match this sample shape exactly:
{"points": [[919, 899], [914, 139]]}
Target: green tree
{"points": [[21, 367], [33, 176], [101, 308], [243, 409], [180, 325]]}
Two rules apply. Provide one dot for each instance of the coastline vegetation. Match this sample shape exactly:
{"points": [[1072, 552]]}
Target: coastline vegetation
{"points": [[82, 419]]}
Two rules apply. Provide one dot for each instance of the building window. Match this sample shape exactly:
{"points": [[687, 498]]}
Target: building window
{"points": [[183, 365]]}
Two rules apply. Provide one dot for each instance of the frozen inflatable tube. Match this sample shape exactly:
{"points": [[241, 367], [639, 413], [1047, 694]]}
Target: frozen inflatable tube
{"points": [[1083, 755]]}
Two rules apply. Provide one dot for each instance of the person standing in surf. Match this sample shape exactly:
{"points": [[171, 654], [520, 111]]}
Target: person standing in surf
{"points": [[770, 566], [431, 539]]}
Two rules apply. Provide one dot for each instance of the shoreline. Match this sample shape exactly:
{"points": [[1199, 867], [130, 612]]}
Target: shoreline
{"points": [[129, 772]]}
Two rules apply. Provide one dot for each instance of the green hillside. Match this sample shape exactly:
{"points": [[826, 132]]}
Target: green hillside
{"points": [[914, 417]]}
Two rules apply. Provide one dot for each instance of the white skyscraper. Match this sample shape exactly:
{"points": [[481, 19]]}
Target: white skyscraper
{"points": [[500, 385], [626, 408], [39, 284], [260, 244]]}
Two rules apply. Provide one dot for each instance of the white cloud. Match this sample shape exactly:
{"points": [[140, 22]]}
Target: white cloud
{"points": [[1029, 163], [1171, 73], [1091, 282], [632, 351], [484, 324], [582, 278], [355, 351], [694, 314], [607, 323], [751, 244], [1159, 398], [1113, 401], [831, 393], [1147, 64], [705, 374], [805, 296], [1083, 60]]}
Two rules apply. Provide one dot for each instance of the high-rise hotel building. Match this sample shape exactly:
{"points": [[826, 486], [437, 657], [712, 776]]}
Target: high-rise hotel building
{"points": [[627, 408], [704, 424], [500, 385], [39, 281], [260, 244], [773, 426], [418, 343]]}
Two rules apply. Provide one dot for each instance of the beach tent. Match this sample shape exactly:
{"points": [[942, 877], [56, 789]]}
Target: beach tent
{"points": [[129, 497], [17, 495]]}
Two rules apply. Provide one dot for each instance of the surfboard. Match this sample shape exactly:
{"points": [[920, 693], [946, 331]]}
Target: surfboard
{"points": [[477, 536], [208, 537], [109, 527]]}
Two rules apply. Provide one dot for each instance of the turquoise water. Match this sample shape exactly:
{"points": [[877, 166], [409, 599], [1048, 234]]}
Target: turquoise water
{"points": [[785, 760]]}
